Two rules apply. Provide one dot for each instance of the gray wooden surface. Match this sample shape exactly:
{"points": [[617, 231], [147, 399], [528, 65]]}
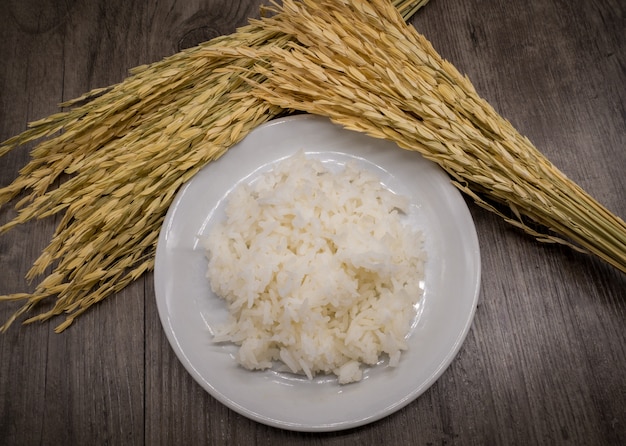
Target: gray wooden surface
{"points": [[545, 360]]}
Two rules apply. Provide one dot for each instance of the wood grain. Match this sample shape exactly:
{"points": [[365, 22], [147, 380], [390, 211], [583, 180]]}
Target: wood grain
{"points": [[544, 361]]}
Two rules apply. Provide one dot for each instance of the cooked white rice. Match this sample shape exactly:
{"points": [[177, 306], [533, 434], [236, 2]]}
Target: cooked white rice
{"points": [[318, 270]]}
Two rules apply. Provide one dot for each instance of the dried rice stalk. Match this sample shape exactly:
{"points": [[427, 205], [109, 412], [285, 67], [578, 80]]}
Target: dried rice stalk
{"points": [[358, 63], [128, 148]]}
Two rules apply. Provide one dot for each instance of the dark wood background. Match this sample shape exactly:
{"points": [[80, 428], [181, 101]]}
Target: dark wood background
{"points": [[545, 360]]}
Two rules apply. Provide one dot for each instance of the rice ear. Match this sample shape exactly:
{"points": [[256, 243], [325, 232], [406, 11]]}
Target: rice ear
{"points": [[383, 78], [127, 149]]}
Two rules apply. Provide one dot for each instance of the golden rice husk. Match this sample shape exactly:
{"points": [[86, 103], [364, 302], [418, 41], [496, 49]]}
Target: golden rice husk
{"points": [[359, 64], [127, 149]]}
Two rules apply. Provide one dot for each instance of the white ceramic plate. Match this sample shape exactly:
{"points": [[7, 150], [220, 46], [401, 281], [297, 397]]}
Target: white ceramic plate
{"points": [[188, 309]]}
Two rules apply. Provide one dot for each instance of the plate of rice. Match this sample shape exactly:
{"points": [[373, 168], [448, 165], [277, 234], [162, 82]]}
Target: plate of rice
{"points": [[317, 279]]}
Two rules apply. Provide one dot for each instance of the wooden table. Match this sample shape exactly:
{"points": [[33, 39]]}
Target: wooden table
{"points": [[545, 358]]}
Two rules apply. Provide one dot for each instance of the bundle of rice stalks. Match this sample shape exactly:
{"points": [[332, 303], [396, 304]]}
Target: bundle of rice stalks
{"points": [[358, 63], [127, 149]]}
